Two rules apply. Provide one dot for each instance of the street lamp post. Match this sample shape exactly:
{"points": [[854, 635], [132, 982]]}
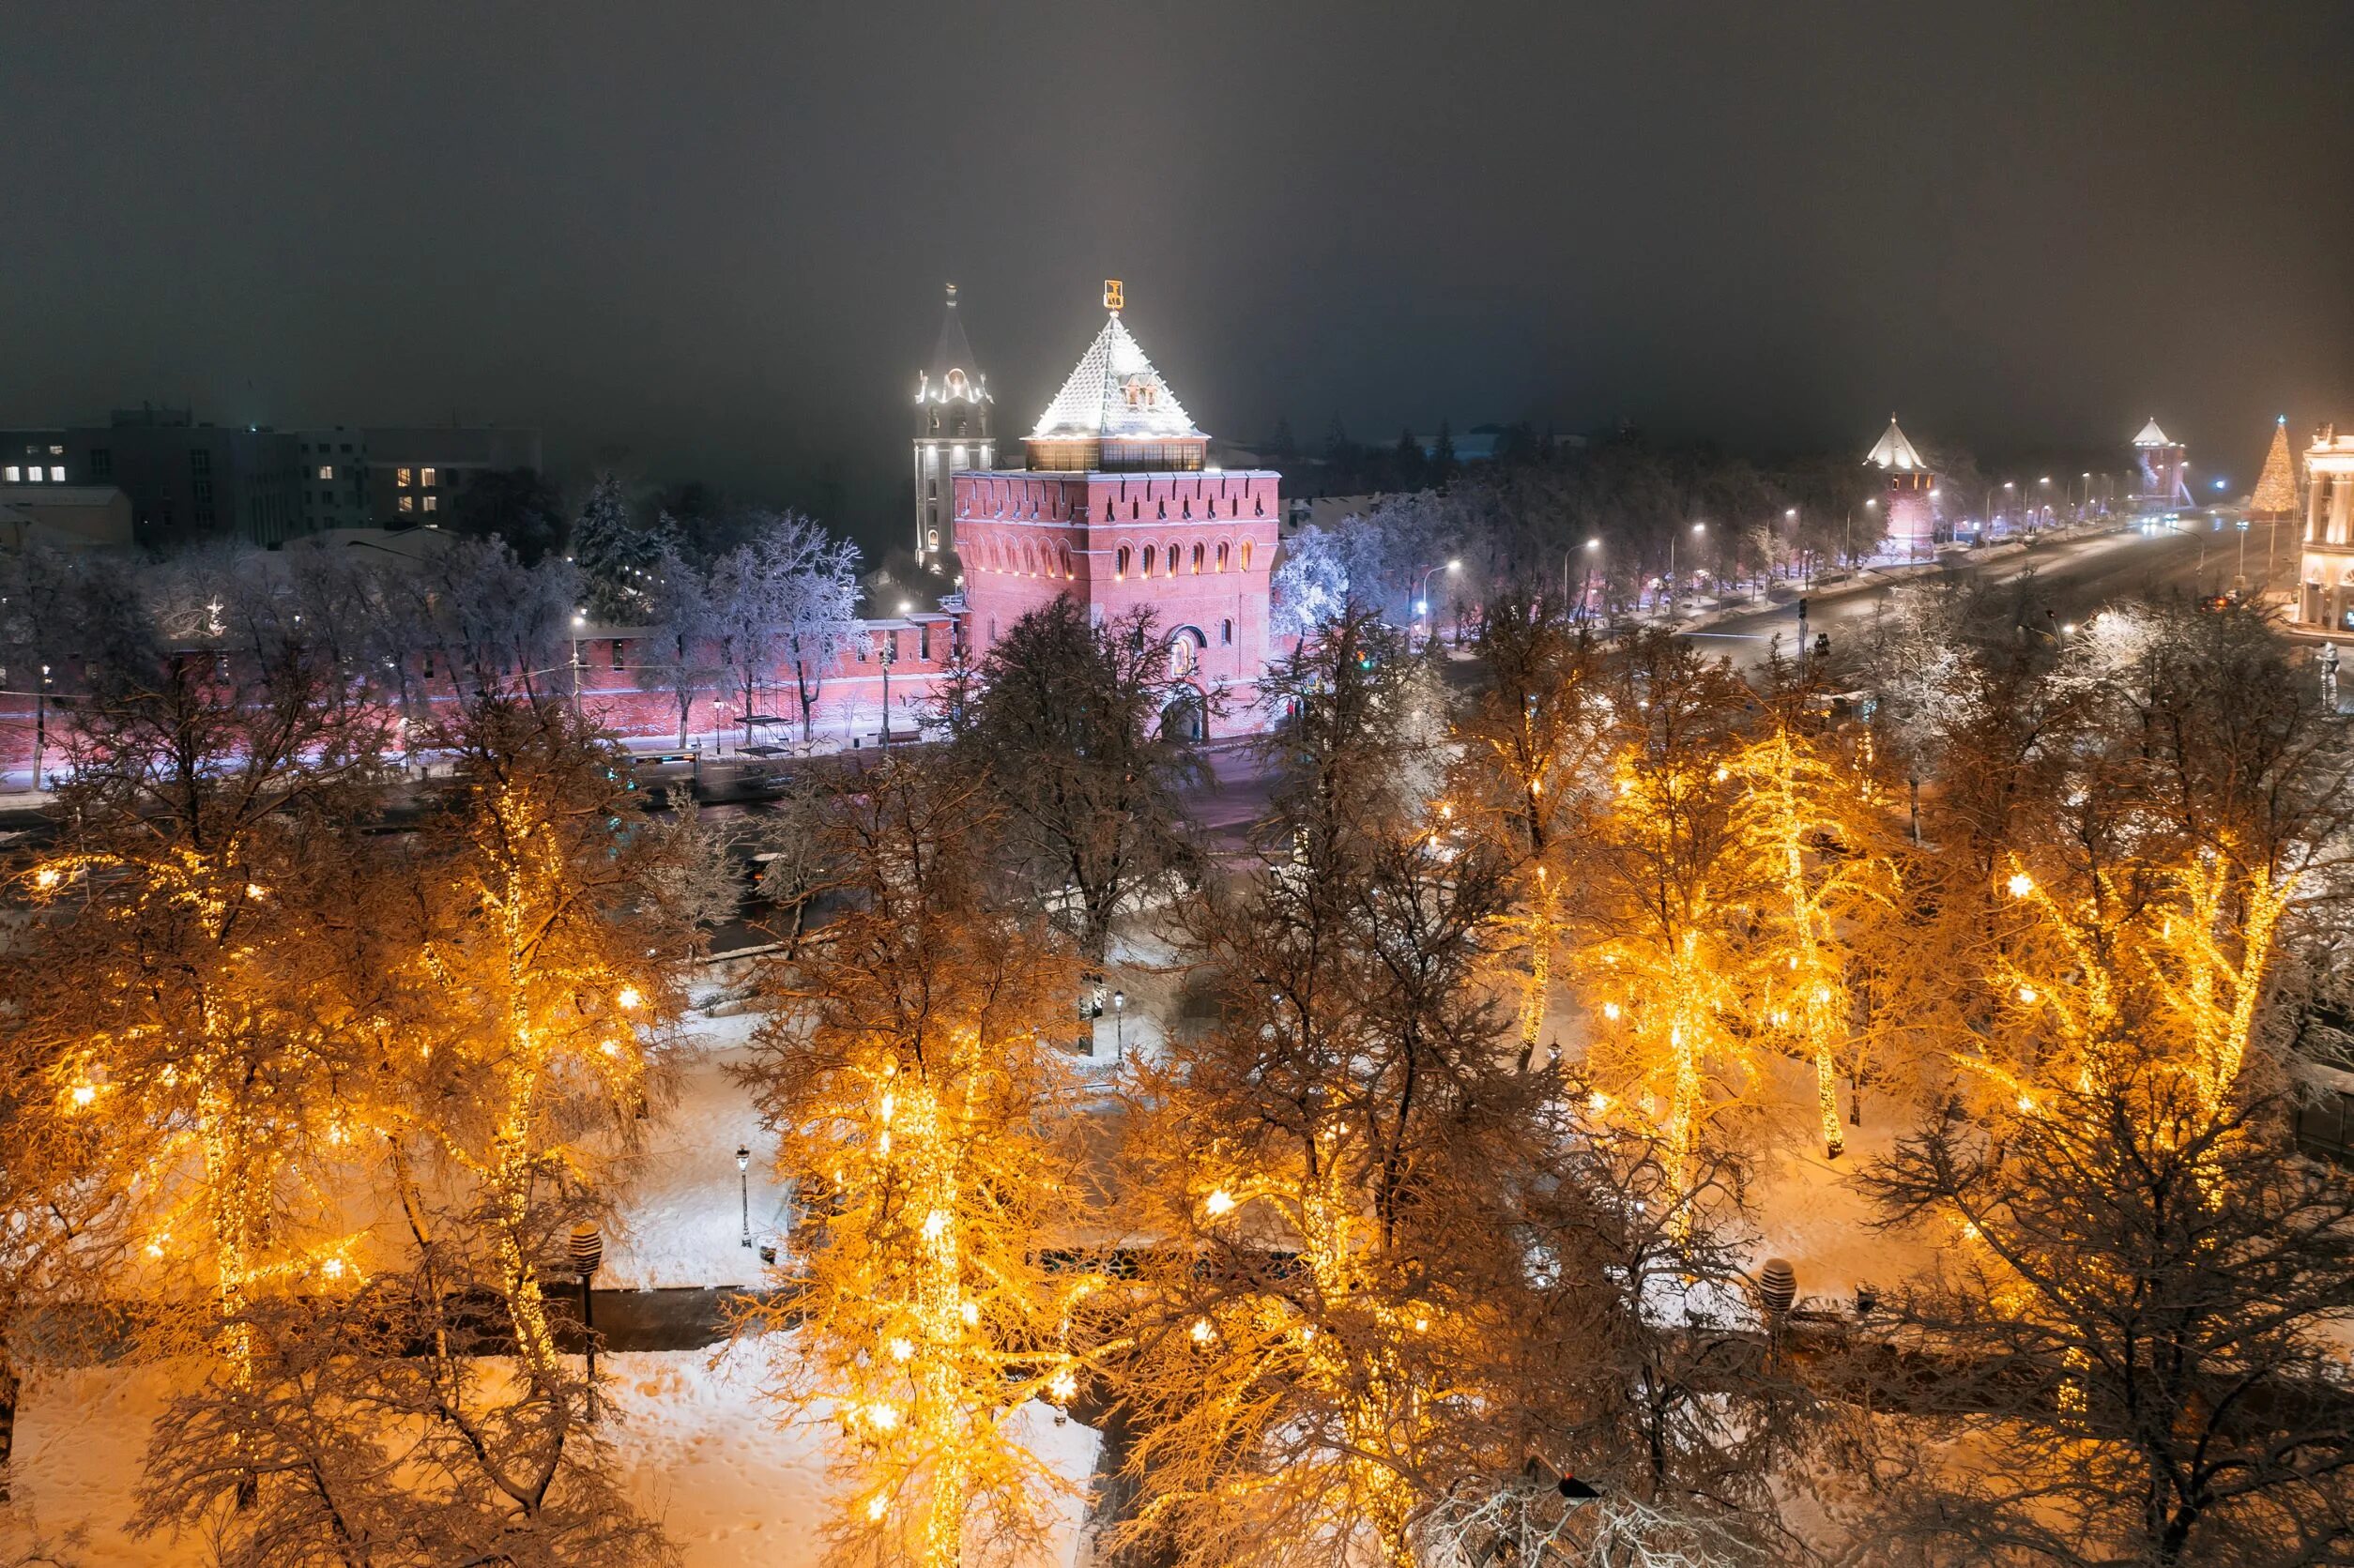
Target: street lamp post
{"points": [[1119, 1032], [587, 1250], [1566, 556], [1422, 589], [1697, 529], [580, 618], [1791, 517], [743, 1181]]}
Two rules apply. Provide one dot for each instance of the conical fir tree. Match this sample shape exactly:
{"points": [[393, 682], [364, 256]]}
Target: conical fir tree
{"points": [[2276, 487]]}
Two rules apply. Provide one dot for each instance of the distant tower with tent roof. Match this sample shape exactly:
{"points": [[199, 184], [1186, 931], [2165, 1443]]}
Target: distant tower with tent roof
{"points": [[1911, 493], [2158, 460], [952, 430]]}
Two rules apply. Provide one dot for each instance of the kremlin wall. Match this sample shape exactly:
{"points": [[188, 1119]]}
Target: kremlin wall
{"points": [[1117, 507]]}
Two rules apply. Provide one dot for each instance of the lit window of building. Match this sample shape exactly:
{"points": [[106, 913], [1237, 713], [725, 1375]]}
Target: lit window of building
{"points": [[433, 503], [327, 470], [408, 503], [57, 473], [425, 477], [402, 477], [12, 473]]}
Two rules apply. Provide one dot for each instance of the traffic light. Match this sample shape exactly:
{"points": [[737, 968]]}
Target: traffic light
{"points": [[1802, 609]]}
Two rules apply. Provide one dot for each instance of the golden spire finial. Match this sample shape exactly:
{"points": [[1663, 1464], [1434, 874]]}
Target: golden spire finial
{"points": [[1111, 294]]}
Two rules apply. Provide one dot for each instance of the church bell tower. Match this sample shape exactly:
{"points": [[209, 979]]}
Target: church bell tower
{"points": [[952, 430]]}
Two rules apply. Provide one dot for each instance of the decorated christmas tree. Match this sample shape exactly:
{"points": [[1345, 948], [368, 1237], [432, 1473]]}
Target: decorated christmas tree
{"points": [[2276, 487]]}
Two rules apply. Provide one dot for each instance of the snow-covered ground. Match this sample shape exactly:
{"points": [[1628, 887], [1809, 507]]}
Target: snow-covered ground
{"points": [[682, 1215], [700, 1450]]}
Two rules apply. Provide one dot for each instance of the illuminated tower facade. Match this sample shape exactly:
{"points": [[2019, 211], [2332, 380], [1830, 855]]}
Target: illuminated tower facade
{"points": [[1119, 510], [2158, 460], [1911, 494], [953, 430]]}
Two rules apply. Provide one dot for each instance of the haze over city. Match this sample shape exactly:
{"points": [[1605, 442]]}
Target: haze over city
{"points": [[712, 238]]}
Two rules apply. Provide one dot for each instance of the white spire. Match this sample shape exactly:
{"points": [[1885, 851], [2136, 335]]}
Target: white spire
{"points": [[1115, 394], [2151, 435], [1893, 450]]}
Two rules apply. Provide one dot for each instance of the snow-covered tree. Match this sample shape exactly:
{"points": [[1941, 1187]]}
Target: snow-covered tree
{"points": [[615, 556], [919, 1095], [1067, 727], [679, 653], [1322, 1169], [2136, 1309], [785, 600]]}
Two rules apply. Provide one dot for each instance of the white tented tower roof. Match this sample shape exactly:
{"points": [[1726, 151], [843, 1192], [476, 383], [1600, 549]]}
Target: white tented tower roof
{"points": [[1115, 395], [2151, 435], [1895, 450]]}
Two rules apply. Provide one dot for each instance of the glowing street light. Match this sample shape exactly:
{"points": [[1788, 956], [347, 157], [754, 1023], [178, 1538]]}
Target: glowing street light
{"points": [[1673, 593], [743, 1180], [1422, 589]]}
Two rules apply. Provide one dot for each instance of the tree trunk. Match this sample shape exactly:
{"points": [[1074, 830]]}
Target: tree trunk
{"points": [[7, 1418]]}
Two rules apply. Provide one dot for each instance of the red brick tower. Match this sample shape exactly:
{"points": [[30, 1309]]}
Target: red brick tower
{"points": [[1119, 509]]}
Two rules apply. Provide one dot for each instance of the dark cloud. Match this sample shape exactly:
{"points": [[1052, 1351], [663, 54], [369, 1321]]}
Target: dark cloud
{"points": [[716, 234]]}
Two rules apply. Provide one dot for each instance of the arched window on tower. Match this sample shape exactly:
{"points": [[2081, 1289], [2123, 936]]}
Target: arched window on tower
{"points": [[1173, 560], [1148, 561], [1221, 566], [1196, 560], [1066, 563], [1120, 565], [1226, 634], [1245, 554]]}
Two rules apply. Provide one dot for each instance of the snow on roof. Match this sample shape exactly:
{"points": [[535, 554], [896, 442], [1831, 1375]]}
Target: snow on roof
{"points": [[2151, 435], [1115, 394], [1893, 450]]}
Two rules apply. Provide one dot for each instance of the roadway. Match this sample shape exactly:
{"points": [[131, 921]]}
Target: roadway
{"points": [[2066, 580]]}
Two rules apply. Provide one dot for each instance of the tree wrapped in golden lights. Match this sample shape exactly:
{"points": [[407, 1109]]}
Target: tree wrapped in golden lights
{"points": [[923, 1105], [1317, 1180], [1811, 821], [543, 964], [1532, 744], [485, 991], [2145, 900], [187, 1005], [1667, 923]]}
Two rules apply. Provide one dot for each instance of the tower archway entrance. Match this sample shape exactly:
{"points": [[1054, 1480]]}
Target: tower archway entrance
{"points": [[1186, 718]]}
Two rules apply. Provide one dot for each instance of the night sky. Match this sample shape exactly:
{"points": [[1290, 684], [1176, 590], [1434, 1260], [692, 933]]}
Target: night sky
{"points": [[715, 235]]}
